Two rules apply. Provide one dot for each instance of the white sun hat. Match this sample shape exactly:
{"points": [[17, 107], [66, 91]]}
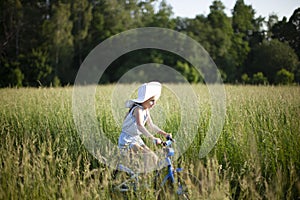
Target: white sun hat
{"points": [[145, 92]]}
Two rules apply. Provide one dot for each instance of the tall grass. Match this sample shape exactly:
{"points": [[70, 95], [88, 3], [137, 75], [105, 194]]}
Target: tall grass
{"points": [[257, 155]]}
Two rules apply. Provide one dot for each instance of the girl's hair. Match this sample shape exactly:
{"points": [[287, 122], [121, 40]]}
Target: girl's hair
{"points": [[133, 105]]}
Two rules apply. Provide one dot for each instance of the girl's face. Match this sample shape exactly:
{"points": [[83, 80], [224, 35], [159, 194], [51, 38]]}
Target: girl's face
{"points": [[150, 103]]}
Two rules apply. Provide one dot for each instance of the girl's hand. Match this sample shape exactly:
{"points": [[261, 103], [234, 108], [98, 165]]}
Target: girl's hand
{"points": [[157, 141]]}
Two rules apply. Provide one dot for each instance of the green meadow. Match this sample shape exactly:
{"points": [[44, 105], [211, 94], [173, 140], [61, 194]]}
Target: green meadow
{"points": [[257, 155]]}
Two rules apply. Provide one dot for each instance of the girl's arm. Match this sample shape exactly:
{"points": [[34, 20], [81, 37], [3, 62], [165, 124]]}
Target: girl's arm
{"points": [[155, 128], [138, 113]]}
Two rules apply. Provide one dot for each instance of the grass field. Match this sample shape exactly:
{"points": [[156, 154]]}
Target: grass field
{"points": [[256, 157]]}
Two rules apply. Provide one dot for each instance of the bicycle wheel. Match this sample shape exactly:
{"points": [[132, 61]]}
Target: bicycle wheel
{"points": [[186, 186], [122, 186]]}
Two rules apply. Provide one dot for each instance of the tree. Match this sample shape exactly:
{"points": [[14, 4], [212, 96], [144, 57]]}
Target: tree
{"points": [[278, 30], [197, 28], [36, 68], [236, 57], [81, 17], [21, 23], [146, 12], [273, 19], [219, 34], [11, 22], [116, 17], [259, 79], [96, 29], [245, 79], [163, 16], [46, 41], [294, 34], [10, 73], [271, 56], [284, 77], [16, 78], [188, 72], [289, 31], [57, 31], [242, 18], [243, 28]]}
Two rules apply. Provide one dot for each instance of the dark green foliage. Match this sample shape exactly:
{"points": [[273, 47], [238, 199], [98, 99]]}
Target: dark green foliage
{"points": [[284, 77], [272, 56], [41, 40], [289, 31], [259, 79]]}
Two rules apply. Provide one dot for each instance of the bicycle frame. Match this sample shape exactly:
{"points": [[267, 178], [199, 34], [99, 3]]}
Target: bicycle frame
{"points": [[170, 176], [176, 182], [171, 171]]}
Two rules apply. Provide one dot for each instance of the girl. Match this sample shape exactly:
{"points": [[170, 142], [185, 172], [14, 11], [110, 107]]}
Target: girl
{"points": [[136, 119]]}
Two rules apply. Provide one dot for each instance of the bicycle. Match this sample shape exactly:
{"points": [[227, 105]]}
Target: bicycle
{"points": [[176, 184]]}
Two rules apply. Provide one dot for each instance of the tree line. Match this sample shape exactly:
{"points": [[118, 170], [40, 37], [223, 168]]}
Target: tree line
{"points": [[45, 42]]}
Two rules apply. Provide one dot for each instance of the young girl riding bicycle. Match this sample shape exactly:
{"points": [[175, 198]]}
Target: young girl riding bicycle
{"points": [[134, 124]]}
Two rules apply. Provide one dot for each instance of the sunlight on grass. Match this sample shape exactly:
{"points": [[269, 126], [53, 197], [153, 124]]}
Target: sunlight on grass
{"points": [[257, 155]]}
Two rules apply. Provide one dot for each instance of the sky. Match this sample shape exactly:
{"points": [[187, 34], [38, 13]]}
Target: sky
{"points": [[191, 8]]}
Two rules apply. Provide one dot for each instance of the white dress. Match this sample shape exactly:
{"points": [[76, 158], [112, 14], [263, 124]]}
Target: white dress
{"points": [[130, 134]]}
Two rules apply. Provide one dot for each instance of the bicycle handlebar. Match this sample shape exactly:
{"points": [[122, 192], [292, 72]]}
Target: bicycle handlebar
{"points": [[168, 142], [170, 138]]}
